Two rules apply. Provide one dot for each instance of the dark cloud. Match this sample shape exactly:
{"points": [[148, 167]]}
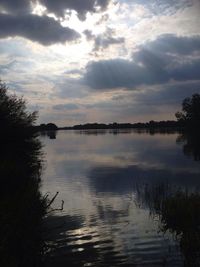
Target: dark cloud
{"points": [[68, 106], [169, 43], [44, 30], [103, 3], [187, 71], [119, 73], [15, 6], [151, 58], [102, 42], [155, 62], [109, 74], [89, 35], [59, 7]]}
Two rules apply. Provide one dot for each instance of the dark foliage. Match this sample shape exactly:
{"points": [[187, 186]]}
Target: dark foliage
{"points": [[47, 127], [22, 207], [190, 114], [15, 120]]}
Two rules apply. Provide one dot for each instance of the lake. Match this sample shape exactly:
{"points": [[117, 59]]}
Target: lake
{"points": [[130, 198]]}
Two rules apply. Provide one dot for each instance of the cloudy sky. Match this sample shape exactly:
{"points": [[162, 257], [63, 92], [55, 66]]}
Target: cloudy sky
{"points": [[78, 61]]}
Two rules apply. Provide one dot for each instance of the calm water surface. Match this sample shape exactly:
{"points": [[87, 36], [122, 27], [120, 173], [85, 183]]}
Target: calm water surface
{"points": [[113, 185]]}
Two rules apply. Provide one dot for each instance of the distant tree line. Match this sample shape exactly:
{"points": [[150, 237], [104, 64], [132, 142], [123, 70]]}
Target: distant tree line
{"points": [[150, 124]]}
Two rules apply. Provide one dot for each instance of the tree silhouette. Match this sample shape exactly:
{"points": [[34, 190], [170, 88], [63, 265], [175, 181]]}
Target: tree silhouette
{"points": [[14, 116], [190, 114]]}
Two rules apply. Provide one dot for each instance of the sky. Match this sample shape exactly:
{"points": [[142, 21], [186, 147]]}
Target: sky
{"points": [[78, 61]]}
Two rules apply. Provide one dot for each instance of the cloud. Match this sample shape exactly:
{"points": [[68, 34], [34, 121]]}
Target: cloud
{"points": [[66, 88], [44, 30], [16, 6], [89, 35], [179, 45], [184, 72], [60, 7], [4, 68], [110, 74], [171, 94], [156, 62], [68, 106], [104, 18], [157, 7], [13, 49], [104, 40], [17, 66], [120, 73]]}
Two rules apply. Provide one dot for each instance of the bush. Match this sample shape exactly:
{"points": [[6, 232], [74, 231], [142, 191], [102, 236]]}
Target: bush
{"points": [[190, 114], [14, 117]]}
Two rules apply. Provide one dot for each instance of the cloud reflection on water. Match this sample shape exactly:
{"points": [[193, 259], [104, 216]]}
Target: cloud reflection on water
{"points": [[98, 176]]}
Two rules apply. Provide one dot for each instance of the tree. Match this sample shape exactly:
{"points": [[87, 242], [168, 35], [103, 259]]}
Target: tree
{"points": [[15, 119], [190, 114]]}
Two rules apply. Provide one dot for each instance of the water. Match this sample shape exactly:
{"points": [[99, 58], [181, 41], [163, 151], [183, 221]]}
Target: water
{"points": [[116, 186]]}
